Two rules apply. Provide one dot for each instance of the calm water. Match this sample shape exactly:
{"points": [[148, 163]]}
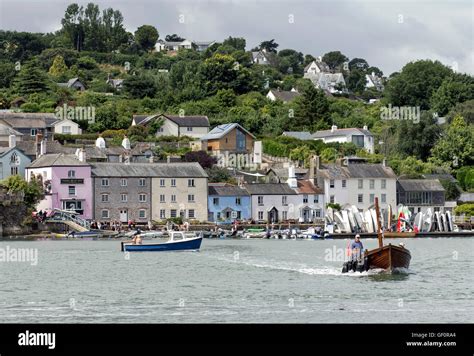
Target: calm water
{"points": [[247, 281]]}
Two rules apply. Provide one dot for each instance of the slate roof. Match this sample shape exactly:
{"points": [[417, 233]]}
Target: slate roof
{"points": [[308, 187], [28, 120], [226, 190], [29, 147], [417, 185], [285, 95], [7, 130], [282, 173], [357, 170], [183, 121], [171, 170], [300, 135], [269, 189], [57, 160], [323, 67], [222, 130], [341, 132]]}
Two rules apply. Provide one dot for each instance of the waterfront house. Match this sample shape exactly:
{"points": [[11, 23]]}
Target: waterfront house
{"points": [[310, 201], [174, 125], [30, 124], [283, 95], [73, 83], [66, 127], [362, 138], [228, 202], [13, 161], [231, 138], [353, 181], [67, 182], [421, 194], [149, 191]]}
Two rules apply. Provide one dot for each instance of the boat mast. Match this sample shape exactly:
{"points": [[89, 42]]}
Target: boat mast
{"points": [[379, 230]]}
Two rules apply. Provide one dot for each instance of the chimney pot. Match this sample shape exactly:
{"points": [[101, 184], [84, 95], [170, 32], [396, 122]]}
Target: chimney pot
{"points": [[11, 141], [333, 128]]}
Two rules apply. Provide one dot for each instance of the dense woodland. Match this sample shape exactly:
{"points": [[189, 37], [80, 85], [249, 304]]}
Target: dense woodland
{"points": [[224, 84]]}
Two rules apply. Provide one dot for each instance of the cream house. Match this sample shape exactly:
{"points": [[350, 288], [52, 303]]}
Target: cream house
{"points": [[175, 125], [66, 127], [179, 190]]}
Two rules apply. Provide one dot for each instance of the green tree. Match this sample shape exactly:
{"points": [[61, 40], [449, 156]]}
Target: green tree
{"points": [[31, 79], [452, 191], [174, 38], [312, 110], [334, 59], [140, 86], [238, 43], [269, 46], [465, 177], [453, 90], [32, 190], [58, 68], [146, 36], [356, 81], [358, 64]]}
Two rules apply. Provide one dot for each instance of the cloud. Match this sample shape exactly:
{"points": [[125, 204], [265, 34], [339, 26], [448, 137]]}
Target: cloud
{"points": [[387, 34]]}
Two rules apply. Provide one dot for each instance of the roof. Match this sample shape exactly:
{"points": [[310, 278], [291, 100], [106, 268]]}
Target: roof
{"points": [[227, 190], [269, 189], [308, 187], [57, 160], [7, 130], [5, 150], [222, 130], [172, 170], [285, 95], [28, 120], [57, 122], [300, 135], [282, 173], [323, 67], [416, 185], [341, 132], [185, 121], [356, 170], [29, 147], [70, 82]]}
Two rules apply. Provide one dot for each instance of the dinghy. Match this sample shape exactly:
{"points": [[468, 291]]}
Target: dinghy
{"points": [[178, 241]]}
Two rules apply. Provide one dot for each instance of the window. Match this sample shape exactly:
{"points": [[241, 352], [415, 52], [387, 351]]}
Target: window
{"points": [[162, 198], [162, 182], [104, 214], [71, 174], [260, 215], [284, 215], [173, 182], [124, 198], [191, 214], [215, 201], [284, 200], [371, 198], [105, 198], [237, 201], [331, 183], [173, 198], [172, 213], [142, 198], [360, 183], [384, 198], [316, 199], [33, 132], [372, 183], [14, 171], [305, 198], [191, 183], [142, 214], [104, 182], [189, 129], [142, 182], [218, 216], [331, 199], [317, 213], [344, 183], [358, 140], [162, 214], [66, 129], [384, 183], [72, 190], [360, 198], [123, 182], [190, 198], [260, 200]]}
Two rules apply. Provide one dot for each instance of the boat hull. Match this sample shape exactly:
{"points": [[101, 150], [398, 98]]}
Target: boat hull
{"points": [[389, 257], [397, 235], [186, 245]]}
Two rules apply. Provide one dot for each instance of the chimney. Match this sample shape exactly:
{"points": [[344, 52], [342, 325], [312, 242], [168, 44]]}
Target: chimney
{"points": [[126, 143], [82, 154], [38, 140], [314, 168], [320, 59], [43, 147], [365, 127], [373, 74], [384, 162], [333, 128], [11, 141], [292, 183]]}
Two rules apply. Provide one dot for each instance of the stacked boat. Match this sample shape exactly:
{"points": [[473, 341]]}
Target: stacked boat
{"points": [[400, 220]]}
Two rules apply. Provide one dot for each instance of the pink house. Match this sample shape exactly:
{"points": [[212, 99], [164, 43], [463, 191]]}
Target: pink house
{"points": [[67, 182]]}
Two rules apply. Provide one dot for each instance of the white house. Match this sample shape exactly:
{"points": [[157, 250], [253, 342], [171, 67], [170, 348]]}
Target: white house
{"points": [[200, 46], [283, 95], [317, 66], [373, 81], [260, 57], [362, 138], [351, 182], [67, 127], [331, 82], [174, 125]]}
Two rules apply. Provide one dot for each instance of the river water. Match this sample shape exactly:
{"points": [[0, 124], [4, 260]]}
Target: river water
{"points": [[244, 281]]}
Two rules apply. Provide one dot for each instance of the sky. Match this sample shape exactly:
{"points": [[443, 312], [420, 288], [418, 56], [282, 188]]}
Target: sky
{"points": [[388, 34]]}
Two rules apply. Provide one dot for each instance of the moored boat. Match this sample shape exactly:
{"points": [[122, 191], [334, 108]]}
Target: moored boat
{"points": [[178, 241]]}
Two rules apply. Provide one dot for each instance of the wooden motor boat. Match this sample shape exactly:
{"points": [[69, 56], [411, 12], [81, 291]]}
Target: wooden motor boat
{"points": [[387, 257], [178, 241]]}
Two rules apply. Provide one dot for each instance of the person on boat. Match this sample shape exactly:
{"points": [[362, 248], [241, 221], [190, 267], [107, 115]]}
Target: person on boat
{"points": [[137, 239], [357, 247]]}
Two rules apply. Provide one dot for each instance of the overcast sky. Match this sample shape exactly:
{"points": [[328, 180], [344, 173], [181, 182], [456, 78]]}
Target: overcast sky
{"points": [[387, 34]]}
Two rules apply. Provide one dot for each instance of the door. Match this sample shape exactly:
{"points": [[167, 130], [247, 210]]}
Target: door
{"points": [[273, 215], [124, 216], [306, 215]]}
